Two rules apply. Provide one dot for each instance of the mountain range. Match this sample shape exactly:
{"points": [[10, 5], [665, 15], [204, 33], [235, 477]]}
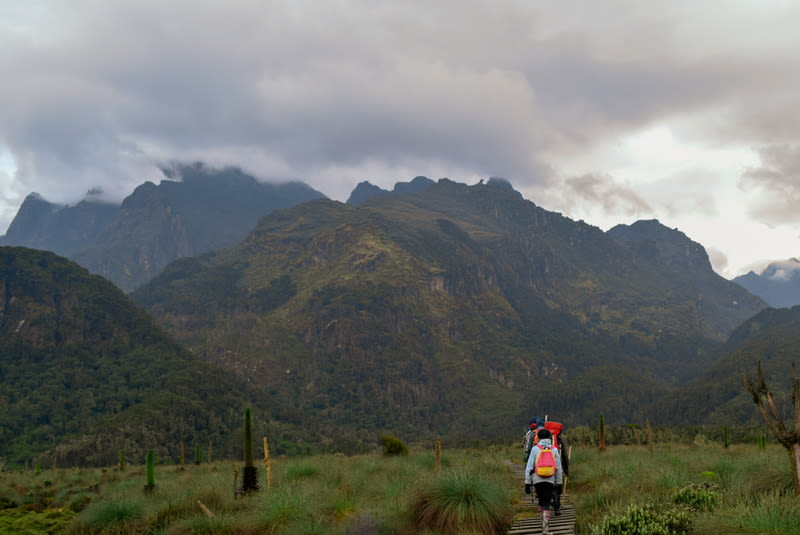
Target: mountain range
{"points": [[455, 308], [434, 309], [196, 210], [778, 284]]}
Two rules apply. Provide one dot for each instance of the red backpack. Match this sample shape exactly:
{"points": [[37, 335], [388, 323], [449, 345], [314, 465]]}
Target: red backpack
{"points": [[554, 428]]}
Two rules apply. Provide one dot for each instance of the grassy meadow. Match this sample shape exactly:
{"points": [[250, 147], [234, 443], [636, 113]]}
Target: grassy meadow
{"points": [[667, 488]]}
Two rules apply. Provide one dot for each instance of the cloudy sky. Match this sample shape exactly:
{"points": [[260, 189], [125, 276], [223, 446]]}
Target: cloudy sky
{"points": [[613, 111]]}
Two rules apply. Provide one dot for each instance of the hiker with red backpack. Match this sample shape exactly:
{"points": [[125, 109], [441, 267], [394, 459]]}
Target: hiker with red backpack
{"points": [[543, 472], [557, 439]]}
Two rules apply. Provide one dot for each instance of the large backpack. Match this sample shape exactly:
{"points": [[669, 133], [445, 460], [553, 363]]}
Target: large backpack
{"points": [[545, 464], [555, 429]]}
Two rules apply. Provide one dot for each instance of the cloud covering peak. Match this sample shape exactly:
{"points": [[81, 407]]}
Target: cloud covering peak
{"points": [[552, 96]]}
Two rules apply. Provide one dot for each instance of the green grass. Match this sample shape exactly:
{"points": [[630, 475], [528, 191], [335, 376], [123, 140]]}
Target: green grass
{"points": [[741, 490], [326, 494]]}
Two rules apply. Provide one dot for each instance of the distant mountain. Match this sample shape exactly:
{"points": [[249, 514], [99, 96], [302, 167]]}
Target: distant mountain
{"points": [[65, 230], [778, 284], [84, 373], [454, 310], [201, 210], [365, 190], [717, 396]]}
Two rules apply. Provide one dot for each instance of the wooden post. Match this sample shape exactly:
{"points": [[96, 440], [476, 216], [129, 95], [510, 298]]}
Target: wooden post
{"points": [[266, 463], [437, 456], [206, 510], [151, 480], [602, 434], [182, 453]]}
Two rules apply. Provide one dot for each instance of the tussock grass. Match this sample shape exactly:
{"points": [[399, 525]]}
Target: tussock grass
{"points": [[114, 517], [741, 490], [773, 513], [463, 501], [369, 494], [738, 490]]}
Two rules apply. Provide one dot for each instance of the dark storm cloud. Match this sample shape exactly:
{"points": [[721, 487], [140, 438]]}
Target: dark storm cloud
{"points": [[101, 91]]}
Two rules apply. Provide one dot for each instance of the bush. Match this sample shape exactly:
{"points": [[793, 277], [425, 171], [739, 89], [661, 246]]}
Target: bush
{"points": [[697, 497], [463, 502], [393, 445], [645, 520]]}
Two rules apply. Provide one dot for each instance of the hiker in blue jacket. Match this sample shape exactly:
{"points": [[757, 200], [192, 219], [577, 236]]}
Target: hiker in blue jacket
{"points": [[534, 424], [544, 485]]}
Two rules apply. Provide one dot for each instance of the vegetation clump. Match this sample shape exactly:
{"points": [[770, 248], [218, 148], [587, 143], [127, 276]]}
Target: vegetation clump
{"points": [[645, 520], [463, 501], [698, 497], [393, 445], [115, 516]]}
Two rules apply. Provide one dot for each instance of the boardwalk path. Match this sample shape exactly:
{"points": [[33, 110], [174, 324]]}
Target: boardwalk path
{"points": [[528, 520]]}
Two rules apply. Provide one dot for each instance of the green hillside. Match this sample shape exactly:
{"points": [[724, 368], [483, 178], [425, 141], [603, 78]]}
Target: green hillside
{"points": [[85, 373], [771, 338]]}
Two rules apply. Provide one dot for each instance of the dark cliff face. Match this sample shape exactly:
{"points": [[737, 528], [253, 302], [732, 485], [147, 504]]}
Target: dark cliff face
{"points": [[206, 211], [200, 211], [64, 230]]}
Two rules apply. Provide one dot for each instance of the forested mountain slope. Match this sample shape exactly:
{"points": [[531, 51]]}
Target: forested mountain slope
{"points": [[718, 396], [454, 310], [85, 373]]}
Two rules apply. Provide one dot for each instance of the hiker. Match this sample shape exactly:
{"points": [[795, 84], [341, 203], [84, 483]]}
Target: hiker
{"points": [[534, 424], [556, 436], [542, 456]]}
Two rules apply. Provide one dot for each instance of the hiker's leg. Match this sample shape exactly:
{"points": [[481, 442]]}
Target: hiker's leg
{"points": [[544, 491], [557, 499]]}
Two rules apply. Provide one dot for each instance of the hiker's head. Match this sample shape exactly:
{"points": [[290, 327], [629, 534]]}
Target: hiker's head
{"points": [[536, 422], [544, 434]]}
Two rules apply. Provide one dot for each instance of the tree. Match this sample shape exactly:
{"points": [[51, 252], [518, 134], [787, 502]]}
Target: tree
{"points": [[789, 438]]}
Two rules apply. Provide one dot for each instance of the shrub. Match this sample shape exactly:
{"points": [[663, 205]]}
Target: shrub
{"points": [[393, 445], [645, 520], [697, 497], [114, 517], [463, 502]]}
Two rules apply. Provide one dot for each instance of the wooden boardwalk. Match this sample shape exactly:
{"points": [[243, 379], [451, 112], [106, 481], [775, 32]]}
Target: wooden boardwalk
{"points": [[528, 521]]}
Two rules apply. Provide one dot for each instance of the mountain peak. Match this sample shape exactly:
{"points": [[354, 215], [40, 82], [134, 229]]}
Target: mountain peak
{"points": [[661, 243], [366, 190], [778, 284]]}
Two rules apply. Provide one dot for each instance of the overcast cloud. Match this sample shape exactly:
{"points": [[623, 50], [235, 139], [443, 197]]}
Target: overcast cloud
{"points": [[606, 111]]}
